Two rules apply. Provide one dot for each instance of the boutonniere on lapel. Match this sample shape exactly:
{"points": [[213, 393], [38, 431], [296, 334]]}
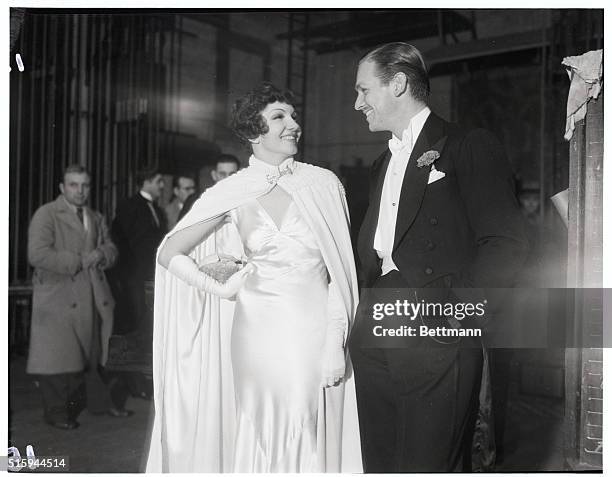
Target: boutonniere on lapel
{"points": [[427, 159]]}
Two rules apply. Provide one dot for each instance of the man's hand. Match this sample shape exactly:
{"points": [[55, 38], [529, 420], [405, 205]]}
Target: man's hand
{"points": [[92, 259]]}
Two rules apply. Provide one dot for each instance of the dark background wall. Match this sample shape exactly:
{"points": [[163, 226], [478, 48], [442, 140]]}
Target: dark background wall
{"points": [[117, 90]]}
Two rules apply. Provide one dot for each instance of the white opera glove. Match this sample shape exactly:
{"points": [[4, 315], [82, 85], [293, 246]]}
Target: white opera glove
{"points": [[187, 270], [334, 364]]}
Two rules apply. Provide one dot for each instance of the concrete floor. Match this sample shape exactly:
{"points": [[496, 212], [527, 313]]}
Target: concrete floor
{"points": [[533, 437]]}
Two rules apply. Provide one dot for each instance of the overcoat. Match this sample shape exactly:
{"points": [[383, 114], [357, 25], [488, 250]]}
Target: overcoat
{"points": [[65, 296]]}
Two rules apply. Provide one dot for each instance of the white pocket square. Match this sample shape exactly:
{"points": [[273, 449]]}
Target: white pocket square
{"points": [[435, 175]]}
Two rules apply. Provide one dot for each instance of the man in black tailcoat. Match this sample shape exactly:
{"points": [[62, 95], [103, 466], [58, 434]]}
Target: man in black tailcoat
{"points": [[442, 221], [138, 229]]}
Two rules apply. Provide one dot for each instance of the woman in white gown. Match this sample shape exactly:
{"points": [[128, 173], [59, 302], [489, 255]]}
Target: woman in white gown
{"points": [[285, 401]]}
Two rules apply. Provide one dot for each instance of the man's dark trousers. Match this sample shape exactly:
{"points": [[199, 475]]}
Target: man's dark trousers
{"points": [[417, 405]]}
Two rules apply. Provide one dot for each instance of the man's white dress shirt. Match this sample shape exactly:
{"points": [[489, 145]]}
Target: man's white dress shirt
{"points": [[392, 187]]}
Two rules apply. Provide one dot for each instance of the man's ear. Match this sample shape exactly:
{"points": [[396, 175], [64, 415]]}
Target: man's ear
{"points": [[61, 187], [399, 84], [213, 174]]}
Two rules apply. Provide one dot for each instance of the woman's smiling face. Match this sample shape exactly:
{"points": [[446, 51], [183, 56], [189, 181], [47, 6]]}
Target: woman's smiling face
{"points": [[281, 140]]}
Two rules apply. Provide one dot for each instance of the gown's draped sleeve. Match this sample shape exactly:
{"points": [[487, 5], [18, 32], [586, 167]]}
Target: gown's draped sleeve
{"points": [[323, 205], [321, 200]]}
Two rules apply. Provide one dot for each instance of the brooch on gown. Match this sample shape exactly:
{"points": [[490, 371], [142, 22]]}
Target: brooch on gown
{"points": [[274, 177]]}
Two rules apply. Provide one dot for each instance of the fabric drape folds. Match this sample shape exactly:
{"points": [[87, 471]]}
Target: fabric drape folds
{"points": [[195, 415]]}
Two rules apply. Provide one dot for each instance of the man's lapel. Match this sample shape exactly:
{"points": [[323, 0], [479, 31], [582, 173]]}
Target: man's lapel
{"points": [[145, 206], [67, 216], [432, 137], [92, 229]]}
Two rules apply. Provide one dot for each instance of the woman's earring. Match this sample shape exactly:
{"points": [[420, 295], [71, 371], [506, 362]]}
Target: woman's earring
{"points": [[256, 140]]}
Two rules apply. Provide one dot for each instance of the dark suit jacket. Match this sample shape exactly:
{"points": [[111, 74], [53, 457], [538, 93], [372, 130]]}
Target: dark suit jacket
{"points": [[464, 230], [137, 236]]}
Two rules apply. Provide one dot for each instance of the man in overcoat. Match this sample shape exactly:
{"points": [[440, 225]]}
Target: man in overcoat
{"points": [[69, 247]]}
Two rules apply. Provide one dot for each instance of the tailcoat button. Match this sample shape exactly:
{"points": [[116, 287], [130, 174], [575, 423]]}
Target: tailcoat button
{"points": [[433, 221], [429, 270]]}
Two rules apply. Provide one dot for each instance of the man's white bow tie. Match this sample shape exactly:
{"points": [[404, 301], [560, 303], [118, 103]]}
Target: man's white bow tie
{"points": [[396, 146], [273, 177]]}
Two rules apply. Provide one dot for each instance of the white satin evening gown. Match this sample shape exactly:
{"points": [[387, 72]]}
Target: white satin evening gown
{"points": [[277, 343]]}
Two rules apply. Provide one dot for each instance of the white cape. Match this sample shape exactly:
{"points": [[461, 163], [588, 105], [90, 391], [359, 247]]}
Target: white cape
{"points": [[195, 414]]}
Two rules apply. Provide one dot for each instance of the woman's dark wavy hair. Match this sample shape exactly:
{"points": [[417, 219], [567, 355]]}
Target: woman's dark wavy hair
{"points": [[247, 121]]}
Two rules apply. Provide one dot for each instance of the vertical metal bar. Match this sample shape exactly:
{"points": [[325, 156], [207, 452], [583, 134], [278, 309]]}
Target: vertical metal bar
{"points": [[32, 115], [152, 90], [138, 90], [129, 99], [110, 129], [153, 95], [103, 143], [16, 204], [91, 83], [170, 88], [305, 81], [100, 145], [52, 131], [42, 129], [543, 91], [160, 87], [117, 72], [65, 82], [149, 80], [72, 78], [441, 34], [125, 126], [83, 93], [290, 52], [177, 103], [94, 109], [76, 111]]}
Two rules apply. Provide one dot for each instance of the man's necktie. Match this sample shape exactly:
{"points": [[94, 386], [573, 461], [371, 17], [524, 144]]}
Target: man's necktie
{"points": [[80, 214]]}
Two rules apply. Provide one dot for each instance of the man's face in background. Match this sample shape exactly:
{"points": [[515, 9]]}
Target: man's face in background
{"points": [[154, 186], [224, 170], [186, 187], [75, 188]]}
